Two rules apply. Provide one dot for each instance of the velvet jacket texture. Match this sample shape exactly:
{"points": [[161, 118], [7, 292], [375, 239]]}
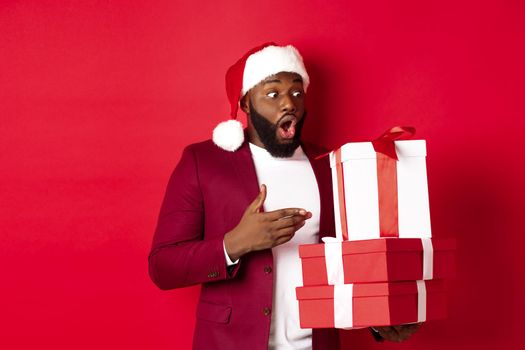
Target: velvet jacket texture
{"points": [[206, 197]]}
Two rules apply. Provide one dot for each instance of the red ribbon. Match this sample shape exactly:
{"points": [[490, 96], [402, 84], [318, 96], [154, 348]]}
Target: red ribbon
{"points": [[386, 159], [341, 193], [387, 195]]}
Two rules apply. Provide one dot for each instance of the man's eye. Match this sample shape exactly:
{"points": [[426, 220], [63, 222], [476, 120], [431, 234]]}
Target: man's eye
{"points": [[272, 94], [297, 93]]}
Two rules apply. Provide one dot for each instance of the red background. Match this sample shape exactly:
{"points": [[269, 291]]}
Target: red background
{"points": [[99, 98]]}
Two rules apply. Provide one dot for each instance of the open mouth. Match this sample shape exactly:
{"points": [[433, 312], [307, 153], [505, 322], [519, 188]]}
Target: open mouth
{"points": [[286, 126]]}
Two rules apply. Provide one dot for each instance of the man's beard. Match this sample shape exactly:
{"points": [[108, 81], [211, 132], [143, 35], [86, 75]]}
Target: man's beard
{"points": [[267, 132]]}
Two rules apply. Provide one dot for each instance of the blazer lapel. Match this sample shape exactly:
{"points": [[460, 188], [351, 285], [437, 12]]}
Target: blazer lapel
{"points": [[242, 164]]}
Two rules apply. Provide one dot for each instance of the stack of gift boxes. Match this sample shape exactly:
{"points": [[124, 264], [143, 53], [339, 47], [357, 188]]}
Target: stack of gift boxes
{"points": [[383, 267]]}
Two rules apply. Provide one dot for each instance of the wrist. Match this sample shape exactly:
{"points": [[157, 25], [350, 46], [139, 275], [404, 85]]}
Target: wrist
{"points": [[234, 246]]}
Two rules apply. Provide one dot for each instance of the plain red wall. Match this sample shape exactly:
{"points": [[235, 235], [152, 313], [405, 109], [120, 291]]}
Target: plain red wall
{"points": [[97, 100]]}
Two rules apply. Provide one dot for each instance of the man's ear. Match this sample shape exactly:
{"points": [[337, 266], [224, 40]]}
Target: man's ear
{"points": [[245, 103]]}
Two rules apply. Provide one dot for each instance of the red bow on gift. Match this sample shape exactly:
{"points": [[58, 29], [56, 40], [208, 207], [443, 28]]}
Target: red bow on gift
{"points": [[385, 143]]}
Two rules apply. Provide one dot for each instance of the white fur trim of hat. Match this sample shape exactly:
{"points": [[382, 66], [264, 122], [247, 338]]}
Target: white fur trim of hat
{"points": [[272, 60]]}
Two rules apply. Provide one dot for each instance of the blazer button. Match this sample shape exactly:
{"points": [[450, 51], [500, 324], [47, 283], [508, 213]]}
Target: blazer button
{"points": [[267, 270], [266, 311]]}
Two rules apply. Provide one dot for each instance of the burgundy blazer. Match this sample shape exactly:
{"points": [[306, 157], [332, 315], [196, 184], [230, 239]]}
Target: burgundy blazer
{"points": [[206, 197]]}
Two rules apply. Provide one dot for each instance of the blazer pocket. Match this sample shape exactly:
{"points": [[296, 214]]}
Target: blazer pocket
{"points": [[213, 312]]}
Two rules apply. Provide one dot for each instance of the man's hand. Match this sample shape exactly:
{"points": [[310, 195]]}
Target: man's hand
{"points": [[262, 230], [398, 333]]}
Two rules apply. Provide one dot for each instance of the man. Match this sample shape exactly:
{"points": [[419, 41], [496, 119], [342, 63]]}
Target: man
{"points": [[236, 209]]}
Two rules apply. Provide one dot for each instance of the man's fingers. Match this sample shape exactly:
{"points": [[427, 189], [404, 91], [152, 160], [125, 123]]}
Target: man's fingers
{"points": [[398, 333], [285, 237], [285, 234], [259, 200], [288, 221], [288, 231], [398, 328], [386, 332], [389, 333], [283, 213], [409, 329]]}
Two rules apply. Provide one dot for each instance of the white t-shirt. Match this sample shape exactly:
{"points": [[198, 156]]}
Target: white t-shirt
{"points": [[290, 183]]}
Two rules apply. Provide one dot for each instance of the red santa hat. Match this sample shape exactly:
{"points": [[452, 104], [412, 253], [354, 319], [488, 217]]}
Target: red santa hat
{"points": [[256, 65]]}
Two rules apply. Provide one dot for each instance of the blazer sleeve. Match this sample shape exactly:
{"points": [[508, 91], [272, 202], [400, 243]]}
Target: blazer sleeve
{"points": [[181, 255]]}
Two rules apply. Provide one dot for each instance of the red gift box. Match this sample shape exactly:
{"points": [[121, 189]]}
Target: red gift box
{"points": [[371, 304], [377, 260]]}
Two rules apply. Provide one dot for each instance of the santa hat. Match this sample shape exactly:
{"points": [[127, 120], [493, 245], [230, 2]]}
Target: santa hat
{"points": [[256, 65]]}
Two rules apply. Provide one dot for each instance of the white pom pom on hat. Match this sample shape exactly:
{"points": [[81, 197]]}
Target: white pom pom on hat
{"points": [[229, 135], [252, 68]]}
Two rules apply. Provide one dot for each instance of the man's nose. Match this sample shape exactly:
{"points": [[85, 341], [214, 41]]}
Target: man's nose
{"points": [[288, 104]]}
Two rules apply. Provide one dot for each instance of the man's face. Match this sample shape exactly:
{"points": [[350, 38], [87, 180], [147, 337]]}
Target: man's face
{"points": [[276, 112]]}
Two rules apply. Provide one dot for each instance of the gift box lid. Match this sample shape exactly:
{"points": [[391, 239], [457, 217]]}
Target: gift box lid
{"points": [[378, 245], [361, 290], [365, 150]]}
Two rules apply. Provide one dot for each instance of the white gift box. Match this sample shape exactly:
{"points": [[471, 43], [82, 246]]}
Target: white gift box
{"points": [[373, 191]]}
